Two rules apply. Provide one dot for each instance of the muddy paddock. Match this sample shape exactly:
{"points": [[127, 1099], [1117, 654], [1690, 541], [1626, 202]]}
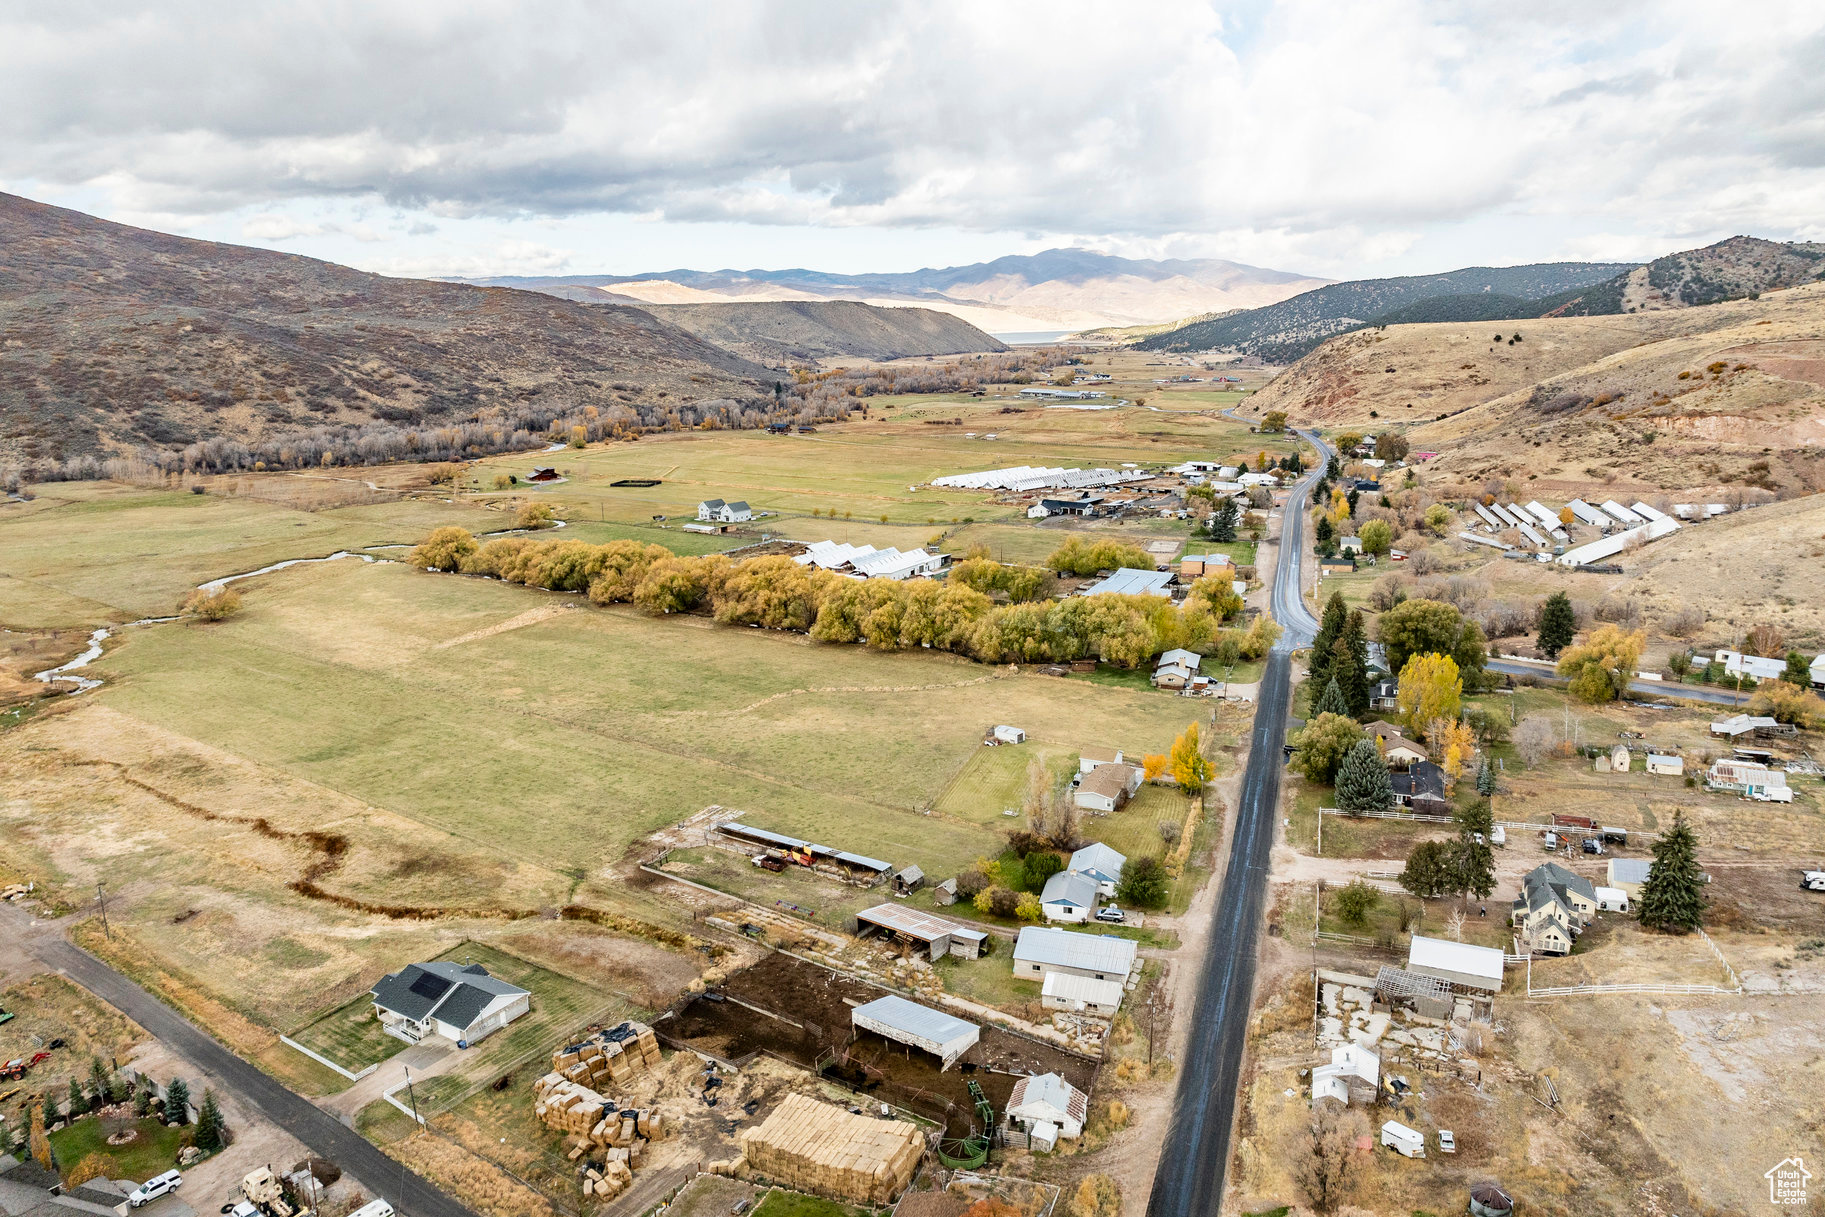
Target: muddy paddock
{"points": [[801, 1012]]}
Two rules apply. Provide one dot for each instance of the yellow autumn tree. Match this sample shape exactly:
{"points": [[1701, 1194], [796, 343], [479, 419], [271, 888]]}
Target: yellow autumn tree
{"points": [[1190, 769], [1153, 765], [1430, 688], [1600, 669], [1453, 746], [1340, 509], [41, 1144]]}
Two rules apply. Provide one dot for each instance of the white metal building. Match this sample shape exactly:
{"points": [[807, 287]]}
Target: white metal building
{"points": [[1041, 950], [1130, 582], [1459, 963], [907, 1022], [1081, 995]]}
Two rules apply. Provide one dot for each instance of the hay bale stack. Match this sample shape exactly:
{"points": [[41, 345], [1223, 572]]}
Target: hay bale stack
{"points": [[610, 1058], [817, 1147], [589, 1118]]}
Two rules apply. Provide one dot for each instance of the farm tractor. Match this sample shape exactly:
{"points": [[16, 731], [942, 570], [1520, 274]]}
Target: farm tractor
{"points": [[18, 1067]]}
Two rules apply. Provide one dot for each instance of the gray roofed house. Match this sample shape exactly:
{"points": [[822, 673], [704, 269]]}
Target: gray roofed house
{"points": [[1041, 949], [1553, 906], [1101, 863], [461, 1003], [1069, 897], [1421, 787]]}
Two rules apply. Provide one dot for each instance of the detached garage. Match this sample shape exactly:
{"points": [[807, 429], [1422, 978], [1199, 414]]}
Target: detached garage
{"points": [[921, 1027]]}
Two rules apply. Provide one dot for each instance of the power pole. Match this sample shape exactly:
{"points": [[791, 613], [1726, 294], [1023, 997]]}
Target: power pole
{"points": [[413, 1095], [101, 895]]}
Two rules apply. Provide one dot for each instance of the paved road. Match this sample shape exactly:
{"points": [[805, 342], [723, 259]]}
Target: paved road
{"points": [[1653, 689], [1194, 1160], [320, 1131]]}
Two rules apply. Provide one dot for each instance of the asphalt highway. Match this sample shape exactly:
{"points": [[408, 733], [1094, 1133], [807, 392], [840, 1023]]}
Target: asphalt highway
{"points": [[1196, 1156]]}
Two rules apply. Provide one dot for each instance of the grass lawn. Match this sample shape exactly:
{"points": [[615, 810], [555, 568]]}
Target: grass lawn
{"points": [[780, 1203], [351, 1036], [151, 1153], [990, 981]]}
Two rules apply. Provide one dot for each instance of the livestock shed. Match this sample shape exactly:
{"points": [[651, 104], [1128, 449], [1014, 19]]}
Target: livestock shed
{"points": [[853, 867], [817, 1147], [939, 935], [907, 1022], [1081, 995], [908, 881], [1461, 964], [1666, 764]]}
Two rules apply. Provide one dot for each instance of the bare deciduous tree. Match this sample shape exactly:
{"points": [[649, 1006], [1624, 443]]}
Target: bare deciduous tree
{"points": [[1327, 1157], [1535, 738]]}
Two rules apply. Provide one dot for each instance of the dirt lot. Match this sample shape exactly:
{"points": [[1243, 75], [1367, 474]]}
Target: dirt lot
{"points": [[801, 1011]]}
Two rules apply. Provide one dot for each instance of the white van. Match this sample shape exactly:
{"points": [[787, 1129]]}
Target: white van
{"points": [[374, 1208], [1403, 1140], [153, 1188]]}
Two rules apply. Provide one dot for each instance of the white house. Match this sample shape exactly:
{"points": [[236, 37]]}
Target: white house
{"points": [[1046, 1107], [461, 1003], [1737, 664], [715, 511], [1081, 995], [1107, 787], [1090, 758], [1041, 951], [1068, 897], [1100, 863]]}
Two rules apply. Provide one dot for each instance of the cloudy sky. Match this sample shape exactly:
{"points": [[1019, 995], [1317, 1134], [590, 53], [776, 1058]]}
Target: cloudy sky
{"points": [[1341, 139]]}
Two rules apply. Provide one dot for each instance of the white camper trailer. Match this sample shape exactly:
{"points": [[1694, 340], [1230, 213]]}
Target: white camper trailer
{"points": [[1403, 1140]]}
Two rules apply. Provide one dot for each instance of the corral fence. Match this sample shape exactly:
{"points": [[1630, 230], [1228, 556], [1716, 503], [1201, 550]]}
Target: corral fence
{"points": [[1674, 990]]}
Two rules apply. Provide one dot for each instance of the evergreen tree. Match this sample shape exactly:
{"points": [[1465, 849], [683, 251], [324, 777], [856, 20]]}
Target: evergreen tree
{"points": [[1558, 624], [1224, 520], [209, 1126], [1330, 628], [1350, 664], [1352, 498], [177, 1102], [101, 1081], [1429, 872], [78, 1101], [1798, 672], [1673, 899], [1332, 701], [1485, 778], [1333, 468], [142, 1098], [1362, 780], [1322, 532], [1473, 860]]}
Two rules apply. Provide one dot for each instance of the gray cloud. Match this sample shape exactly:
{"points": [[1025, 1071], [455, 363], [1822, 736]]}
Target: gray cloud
{"points": [[1061, 118]]}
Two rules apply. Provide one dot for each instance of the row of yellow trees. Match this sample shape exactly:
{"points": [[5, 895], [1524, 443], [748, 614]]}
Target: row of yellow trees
{"points": [[775, 592]]}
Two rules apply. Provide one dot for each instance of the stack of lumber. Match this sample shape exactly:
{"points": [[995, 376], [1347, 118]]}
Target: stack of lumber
{"points": [[590, 1118], [610, 1059], [816, 1147]]}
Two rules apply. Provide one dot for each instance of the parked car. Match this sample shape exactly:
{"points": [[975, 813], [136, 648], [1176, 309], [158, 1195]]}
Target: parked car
{"points": [[1111, 914], [1592, 845], [153, 1188], [1447, 1142]]}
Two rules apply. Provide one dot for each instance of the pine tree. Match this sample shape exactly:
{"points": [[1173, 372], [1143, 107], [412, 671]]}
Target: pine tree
{"points": [[1322, 532], [1332, 701], [78, 1102], [1223, 522], [1673, 899], [177, 1102], [1473, 860], [1350, 665], [1798, 671], [1558, 625], [1429, 872], [1485, 778], [142, 1098], [1363, 783], [101, 1081], [209, 1125], [1318, 667]]}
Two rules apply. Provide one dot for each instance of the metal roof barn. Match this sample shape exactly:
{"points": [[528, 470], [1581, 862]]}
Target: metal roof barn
{"points": [[1130, 582], [1460, 963], [1096, 953], [939, 934], [907, 1022]]}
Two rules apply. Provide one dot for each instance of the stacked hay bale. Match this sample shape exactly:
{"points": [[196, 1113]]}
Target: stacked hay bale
{"points": [[816, 1147], [610, 1059], [591, 1119]]}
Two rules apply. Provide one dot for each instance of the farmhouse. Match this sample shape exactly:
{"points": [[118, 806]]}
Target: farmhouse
{"points": [[1553, 908], [1130, 582], [1081, 995], [1063, 507], [1068, 897], [938, 935], [1421, 788], [909, 1023], [1458, 963], [461, 1003], [1090, 758], [1175, 668], [1749, 778], [1349, 545], [1100, 863], [715, 511], [1041, 951], [1046, 1107], [1107, 787], [1760, 668]]}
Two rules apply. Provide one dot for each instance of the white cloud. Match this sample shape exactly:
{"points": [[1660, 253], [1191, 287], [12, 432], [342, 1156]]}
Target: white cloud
{"points": [[1309, 134]]}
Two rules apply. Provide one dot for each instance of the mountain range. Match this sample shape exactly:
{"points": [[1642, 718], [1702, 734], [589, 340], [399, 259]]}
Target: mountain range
{"points": [[1057, 290]]}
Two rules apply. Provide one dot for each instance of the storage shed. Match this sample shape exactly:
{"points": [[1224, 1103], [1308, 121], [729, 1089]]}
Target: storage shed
{"points": [[1081, 995], [909, 1023], [1665, 764], [938, 935], [1461, 964]]}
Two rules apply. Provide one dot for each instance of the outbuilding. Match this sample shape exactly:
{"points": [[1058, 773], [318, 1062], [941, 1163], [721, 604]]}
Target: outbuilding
{"points": [[907, 1022], [1046, 1107], [1009, 735], [1665, 764], [940, 936], [1081, 995], [1041, 951], [1628, 874], [908, 881], [1461, 964]]}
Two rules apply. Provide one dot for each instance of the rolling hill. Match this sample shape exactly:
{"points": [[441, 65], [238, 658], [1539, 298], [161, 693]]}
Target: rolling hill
{"points": [[1059, 289], [1289, 329], [782, 332], [117, 337]]}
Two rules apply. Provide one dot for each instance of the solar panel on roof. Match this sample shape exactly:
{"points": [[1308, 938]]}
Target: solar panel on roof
{"points": [[429, 986]]}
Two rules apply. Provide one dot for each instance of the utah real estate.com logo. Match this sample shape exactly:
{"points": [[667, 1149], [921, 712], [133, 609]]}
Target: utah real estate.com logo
{"points": [[1787, 1182]]}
